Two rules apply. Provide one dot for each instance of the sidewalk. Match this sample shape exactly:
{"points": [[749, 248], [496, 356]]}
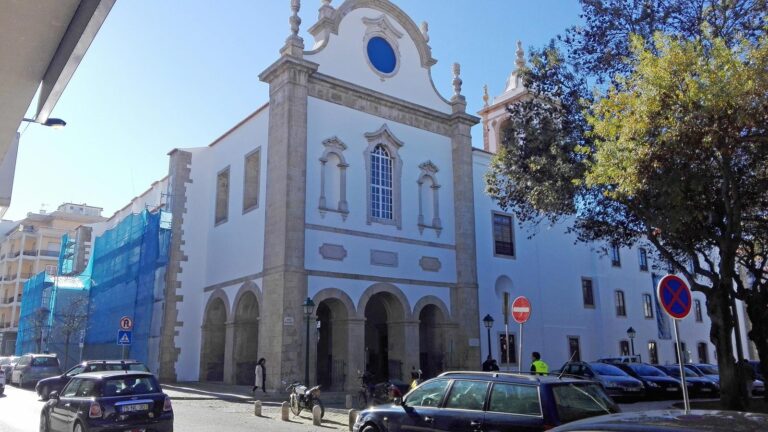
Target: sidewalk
{"points": [[241, 394]]}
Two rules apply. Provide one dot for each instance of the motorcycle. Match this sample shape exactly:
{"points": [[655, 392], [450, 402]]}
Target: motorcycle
{"points": [[303, 398], [375, 394]]}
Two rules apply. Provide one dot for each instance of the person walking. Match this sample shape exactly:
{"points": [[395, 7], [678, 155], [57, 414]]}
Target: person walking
{"points": [[487, 364], [260, 376], [538, 366]]}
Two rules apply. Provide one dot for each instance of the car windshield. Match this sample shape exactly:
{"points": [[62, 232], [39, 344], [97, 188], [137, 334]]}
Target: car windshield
{"points": [[709, 369], [582, 400], [675, 372], [644, 370], [129, 385], [606, 369], [45, 362]]}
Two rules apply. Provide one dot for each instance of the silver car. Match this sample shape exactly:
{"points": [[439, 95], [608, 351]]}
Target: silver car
{"points": [[31, 368]]}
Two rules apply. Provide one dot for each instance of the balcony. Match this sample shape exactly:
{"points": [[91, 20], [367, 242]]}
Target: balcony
{"points": [[14, 254], [30, 253], [47, 253]]}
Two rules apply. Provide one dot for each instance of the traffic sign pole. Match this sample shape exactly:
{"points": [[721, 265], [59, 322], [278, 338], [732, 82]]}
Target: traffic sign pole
{"points": [[520, 354], [506, 328], [521, 312], [681, 362]]}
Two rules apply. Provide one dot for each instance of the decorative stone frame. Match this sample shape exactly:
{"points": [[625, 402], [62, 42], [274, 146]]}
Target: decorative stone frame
{"points": [[336, 147], [227, 172], [429, 171], [385, 138], [253, 153], [493, 235], [381, 27]]}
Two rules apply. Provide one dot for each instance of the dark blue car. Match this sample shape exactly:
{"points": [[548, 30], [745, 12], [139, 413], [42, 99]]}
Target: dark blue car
{"points": [[109, 401], [489, 401]]}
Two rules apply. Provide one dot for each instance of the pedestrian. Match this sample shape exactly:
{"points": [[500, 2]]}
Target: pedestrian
{"points": [[487, 364], [494, 366], [538, 366], [260, 376]]}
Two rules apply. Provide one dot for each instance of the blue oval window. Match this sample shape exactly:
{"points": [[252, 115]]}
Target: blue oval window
{"points": [[381, 55]]}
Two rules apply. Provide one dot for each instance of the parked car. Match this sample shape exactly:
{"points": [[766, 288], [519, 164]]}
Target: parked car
{"points": [[31, 368], [697, 384], [705, 369], [756, 366], [56, 383], [108, 400], [462, 401], [620, 359], [617, 383], [2, 382], [671, 421], [657, 383], [7, 364]]}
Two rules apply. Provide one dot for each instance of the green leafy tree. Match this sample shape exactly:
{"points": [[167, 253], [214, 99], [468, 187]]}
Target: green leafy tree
{"points": [[672, 153]]}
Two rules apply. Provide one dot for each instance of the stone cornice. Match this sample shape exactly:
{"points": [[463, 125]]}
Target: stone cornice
{"points": [[286, 62], [359, 98]]}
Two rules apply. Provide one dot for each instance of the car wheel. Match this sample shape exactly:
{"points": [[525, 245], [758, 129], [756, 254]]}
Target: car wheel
{"points": [[370, 428], [43, 423], [78, 427]]}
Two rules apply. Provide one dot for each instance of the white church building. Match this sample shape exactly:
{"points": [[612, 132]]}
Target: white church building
{"points": [[357, 186]]}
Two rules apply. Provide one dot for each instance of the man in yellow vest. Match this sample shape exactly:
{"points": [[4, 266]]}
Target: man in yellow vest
{"points": [[538, 366]]}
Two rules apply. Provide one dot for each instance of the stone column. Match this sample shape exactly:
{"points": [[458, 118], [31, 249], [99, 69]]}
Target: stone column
{"points": [[405, 349], [229, 352], [284, 282], [464, 296], [355, 352]]}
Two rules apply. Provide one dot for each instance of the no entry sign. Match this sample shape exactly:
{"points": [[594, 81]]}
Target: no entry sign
{"points": [[675, 296], [521, 310]]}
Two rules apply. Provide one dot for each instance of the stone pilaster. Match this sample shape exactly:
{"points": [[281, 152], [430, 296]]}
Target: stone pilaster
{"points": [[406, 349], [179, 171], [356, 352], [229, 352], [284, 282], [464, 296]]}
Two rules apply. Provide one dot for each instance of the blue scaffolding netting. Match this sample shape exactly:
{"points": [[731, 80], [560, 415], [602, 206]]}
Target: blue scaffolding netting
{"points": [[125, 276]]}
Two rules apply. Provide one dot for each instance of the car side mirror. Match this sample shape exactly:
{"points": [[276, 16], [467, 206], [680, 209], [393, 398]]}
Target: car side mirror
{"points": [[398, 400], [54, 395]]}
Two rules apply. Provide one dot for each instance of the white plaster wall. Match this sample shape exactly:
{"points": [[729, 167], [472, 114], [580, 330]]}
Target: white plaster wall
{"points": [[152, 198], [344, 57], [231, 250], [548, 269]]}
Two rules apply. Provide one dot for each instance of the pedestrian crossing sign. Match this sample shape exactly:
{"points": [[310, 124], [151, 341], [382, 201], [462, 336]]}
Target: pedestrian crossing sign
{"points": [[124, 337]]}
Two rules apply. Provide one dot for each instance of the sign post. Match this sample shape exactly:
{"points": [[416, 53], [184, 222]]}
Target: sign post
{"points": [[125, 335], [676, 300], [506, 328], [521, 312]]}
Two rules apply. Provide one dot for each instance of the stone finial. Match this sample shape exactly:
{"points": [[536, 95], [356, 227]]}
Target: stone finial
{"points": [[294, 45], [326, 10], [425, 30], [326, 2], [485, 95], [520, 61], [456, 79]]}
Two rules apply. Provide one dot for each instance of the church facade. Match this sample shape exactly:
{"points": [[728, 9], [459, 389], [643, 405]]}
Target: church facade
{"points": [[357, 190]]}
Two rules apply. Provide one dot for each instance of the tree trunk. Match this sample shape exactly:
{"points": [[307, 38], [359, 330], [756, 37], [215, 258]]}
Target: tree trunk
{"points": [[66, 350], [718, 306]]}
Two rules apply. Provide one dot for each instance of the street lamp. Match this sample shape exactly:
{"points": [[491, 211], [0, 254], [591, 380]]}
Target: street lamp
{"points": [[488, 321], [309, 307], [51, 122], [631, 333]]}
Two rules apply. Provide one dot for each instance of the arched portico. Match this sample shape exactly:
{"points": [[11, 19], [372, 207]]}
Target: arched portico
{"points": [[333, 313], [434, 342], [245, 335], [214, 337]]}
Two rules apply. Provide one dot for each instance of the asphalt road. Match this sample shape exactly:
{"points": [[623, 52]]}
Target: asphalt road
{"points": [[19, 410]]}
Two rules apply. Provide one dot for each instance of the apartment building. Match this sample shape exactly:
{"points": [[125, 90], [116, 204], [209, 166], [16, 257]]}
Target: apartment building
{"points": [[28, 247]]}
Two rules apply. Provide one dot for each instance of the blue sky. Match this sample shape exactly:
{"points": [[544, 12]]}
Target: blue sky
{"points": [[179, 73]]}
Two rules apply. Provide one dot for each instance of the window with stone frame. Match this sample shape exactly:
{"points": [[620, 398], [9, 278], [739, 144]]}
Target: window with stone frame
{"points": [[647, 306], [615, 255], [697, 311], [703, 352], [251, 180], [624, 347], [429, 203], [222, 196], [333, 178], [503, 235], [621, 308], [643, 255], [503, 344], [587, 293], [384, 168], [653, 352], [574, 348]]}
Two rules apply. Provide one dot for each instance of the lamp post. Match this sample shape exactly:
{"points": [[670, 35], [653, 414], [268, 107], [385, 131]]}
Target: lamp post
{"points": [[488, 322], [631, 333], [309, 307]]}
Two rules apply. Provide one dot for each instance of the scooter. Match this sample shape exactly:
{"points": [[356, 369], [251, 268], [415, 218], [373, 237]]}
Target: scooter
{"points": [[302, 398]]}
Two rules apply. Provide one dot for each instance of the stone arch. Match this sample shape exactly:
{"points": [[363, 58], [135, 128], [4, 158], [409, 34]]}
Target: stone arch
{"points": [[431, 300], [388, 332], [333, 313], [383, 288], [434, 323], [245, 333], [212, 353]]}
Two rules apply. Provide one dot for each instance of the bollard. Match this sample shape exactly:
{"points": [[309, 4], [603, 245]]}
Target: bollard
{"points": [[257, 408], [316, 420], [349, 401], [284, 411], [352, 418]]}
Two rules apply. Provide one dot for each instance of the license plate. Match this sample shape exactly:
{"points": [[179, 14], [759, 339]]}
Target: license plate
{"points": [[135, 430], [672, 389], [632, 389], [134, 408], [706, 390]]}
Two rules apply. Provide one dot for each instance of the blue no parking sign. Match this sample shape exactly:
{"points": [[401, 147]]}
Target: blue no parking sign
{"points": [[675, 296]]}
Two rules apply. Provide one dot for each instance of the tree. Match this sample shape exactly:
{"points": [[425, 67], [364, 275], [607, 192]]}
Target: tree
{"points": [[72, 320], [671, 153]]}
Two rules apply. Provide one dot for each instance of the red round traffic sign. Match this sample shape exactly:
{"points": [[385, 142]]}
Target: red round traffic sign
{"points": [[675, 296], [521, 310], [126, 323]]}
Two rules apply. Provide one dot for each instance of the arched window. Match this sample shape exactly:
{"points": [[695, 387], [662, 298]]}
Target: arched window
{"points": [[381, 183], [429, 206], [333, 178], [383, 168]]}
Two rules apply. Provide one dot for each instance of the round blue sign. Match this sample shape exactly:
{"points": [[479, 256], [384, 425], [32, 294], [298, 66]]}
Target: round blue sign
{"points": [[675, 296], [381, 55]]}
